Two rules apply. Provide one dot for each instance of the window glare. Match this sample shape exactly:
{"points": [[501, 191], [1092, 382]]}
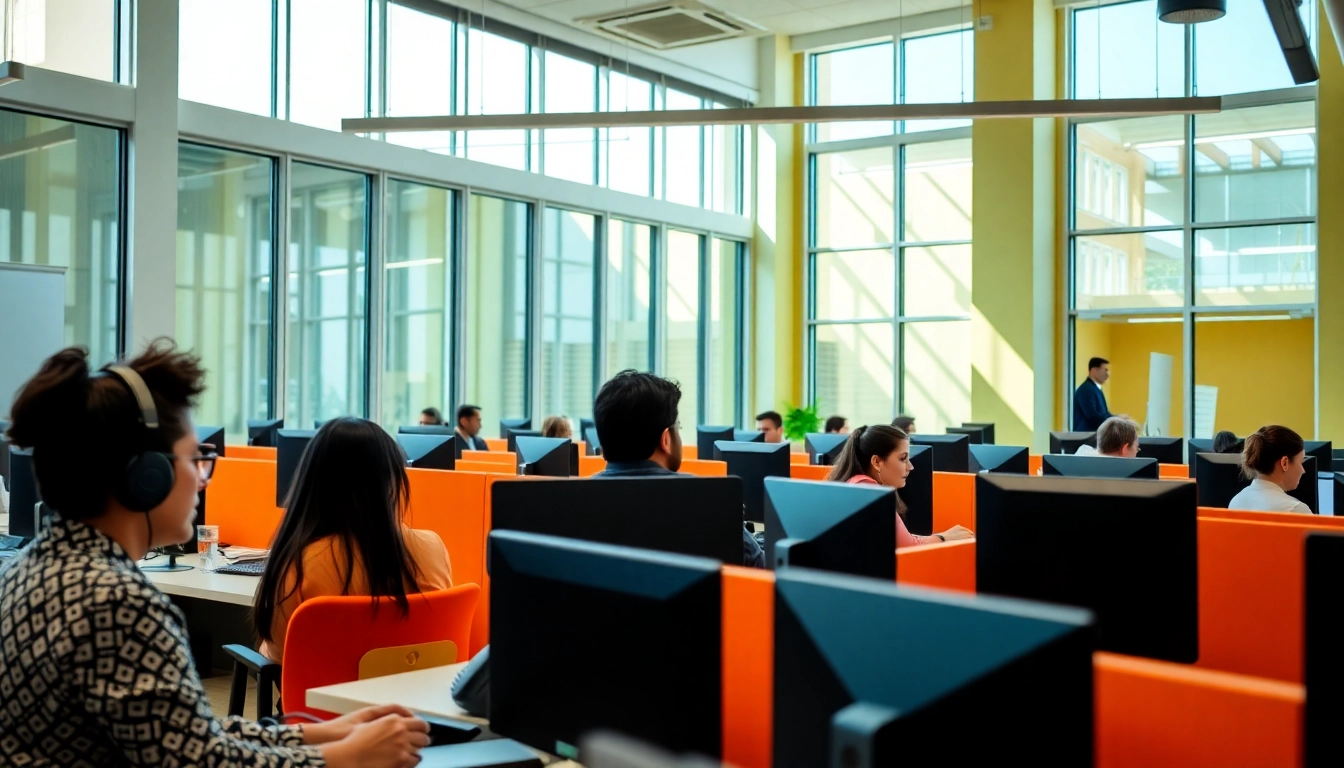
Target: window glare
{"points": [[239, 32]]}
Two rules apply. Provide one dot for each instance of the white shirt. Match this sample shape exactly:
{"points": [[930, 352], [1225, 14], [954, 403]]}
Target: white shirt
{"points": [[1086, 450], [1264, 496]]}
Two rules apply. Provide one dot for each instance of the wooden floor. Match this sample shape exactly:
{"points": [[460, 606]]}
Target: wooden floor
{"points": [[217, 688]]}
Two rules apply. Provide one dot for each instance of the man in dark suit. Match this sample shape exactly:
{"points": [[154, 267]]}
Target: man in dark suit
{"points": [[468, 429], [1089, 402]]}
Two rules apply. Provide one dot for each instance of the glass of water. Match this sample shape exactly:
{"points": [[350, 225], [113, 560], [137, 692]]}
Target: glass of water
{"points": [[207, 544]]}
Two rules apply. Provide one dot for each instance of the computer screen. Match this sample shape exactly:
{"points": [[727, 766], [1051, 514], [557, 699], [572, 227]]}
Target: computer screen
{"points": [[1073, 541], [753, 462], [975, 434], [506, 425], [887, 675], [748, 436], [262, 433], [918, 491], [429, 451], [1000, 458], [545, 456], [1324, 452], [1219, 478], [4, 460], [205, 436], [23, 494], [838, 527], [588, 636], [593, 440], [700, 516], [986, 426], [1099, 466], [824, 448], [514, 434], [707, 436], [1197, 445], [1070, 442], [1324, 666], [418, 429], [1167, 450], [951, 453], [290, 445], [585, 426]]}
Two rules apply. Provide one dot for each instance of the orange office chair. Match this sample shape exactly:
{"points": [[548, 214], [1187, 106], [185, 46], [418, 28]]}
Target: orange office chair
{"points": [[339, 639]]}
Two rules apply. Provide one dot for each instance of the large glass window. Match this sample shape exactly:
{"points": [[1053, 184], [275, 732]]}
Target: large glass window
{"points": [[629, 293], [571, 86], [1240, 53], [420, 51], [723, 381], [854, 196], [684, 145], [74, 36], [568, 308], [1122, 51], [1255, 164], [1134, 343], [60, 205], [497, 83], [418, 285], [496, 332], [239, 32], [682, 312], [853, 370], [1130, 173], [224, 296], [938, 69], [864, 75], [629, 151], [328, 294], [328, 64]]}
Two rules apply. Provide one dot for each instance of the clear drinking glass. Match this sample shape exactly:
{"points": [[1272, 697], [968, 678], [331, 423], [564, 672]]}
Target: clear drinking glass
{"points": [[207, 544]]}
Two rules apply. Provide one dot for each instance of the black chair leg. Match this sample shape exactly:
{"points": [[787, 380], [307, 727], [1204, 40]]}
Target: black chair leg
{"points": [[238, 691]]}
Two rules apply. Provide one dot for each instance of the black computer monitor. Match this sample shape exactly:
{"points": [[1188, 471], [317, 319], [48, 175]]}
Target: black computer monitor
{"points": [[205, 436], [1324, 452], [918, 491], [594, 441], [262, 433], [824, 448], [1323, 664], [1196, 445], [429, 451], [1070, 442], [1337, 454], [211, 436], [290, 445], [700, 516], [748, 436], [951, 453], [707, 436], [986, 426], [512, 437], [838, 527], [507, 425], [1001, 458], [1167, 450], [1219, 478], [974, 434], [637, 647], [976, 681], [23, 494], [545, 456], [420, 429], [753, 462], [586, 425], [4, 460], [1071, 541], [1098, 466]]}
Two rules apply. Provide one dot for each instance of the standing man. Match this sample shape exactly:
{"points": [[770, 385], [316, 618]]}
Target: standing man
{"points": [[772, 424], [1089, 402], [468, 427]]}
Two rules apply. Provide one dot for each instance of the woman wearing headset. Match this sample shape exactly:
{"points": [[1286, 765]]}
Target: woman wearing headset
{"points": [[95, 659]]}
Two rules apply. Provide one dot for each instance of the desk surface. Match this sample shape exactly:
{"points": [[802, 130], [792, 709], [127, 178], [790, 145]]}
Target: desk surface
{"points": [[426, 690], [220, 587]]}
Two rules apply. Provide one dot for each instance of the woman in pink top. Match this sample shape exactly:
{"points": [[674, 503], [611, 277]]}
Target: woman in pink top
{"points": [[880, 455]]}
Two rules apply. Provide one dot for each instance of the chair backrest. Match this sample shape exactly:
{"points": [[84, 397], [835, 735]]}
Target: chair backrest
{"points": [[329, 636]]}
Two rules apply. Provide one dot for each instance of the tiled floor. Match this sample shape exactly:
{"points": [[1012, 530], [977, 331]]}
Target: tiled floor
{"points": [[217, 688]]}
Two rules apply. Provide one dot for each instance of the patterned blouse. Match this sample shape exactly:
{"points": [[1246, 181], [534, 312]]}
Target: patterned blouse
{"points": [[95, 669]]}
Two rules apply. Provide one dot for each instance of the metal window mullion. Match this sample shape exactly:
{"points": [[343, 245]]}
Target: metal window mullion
{"points": [[898, 329], [702, 327], [279, 309], [660, 301], [535, 294], [283, 77], [375, 298], [600, 288], [456, 385], [1188, 265]]}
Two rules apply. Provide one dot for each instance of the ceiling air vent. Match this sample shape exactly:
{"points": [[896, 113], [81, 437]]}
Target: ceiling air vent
{"points": [[671, 25]]}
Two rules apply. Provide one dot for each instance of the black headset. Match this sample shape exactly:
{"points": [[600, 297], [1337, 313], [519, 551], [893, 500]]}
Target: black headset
{"points": [[148, 478]]}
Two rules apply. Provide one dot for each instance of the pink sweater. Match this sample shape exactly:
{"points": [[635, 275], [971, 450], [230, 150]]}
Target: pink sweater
{"points": [[904, 538]]}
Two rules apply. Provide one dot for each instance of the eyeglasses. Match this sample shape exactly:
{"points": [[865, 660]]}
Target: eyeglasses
{"points": [[205, 460]]}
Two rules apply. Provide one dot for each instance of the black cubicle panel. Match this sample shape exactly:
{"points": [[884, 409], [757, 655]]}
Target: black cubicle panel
{"points": [[586, 427], [1070, 442], [23, 495], [753, 462], [508, 425], [262, 433], [823, 448], [951, 453], [748, 436], [1167, 450], [1324, 452], [1323, 638], [424, 429], [976, 435], [4, 460], [1219, 478], [429, 451], [290, 445], [918, 492], [1001, 458], [839, 527], [706, 435], [1099, 466], [986, 428]]}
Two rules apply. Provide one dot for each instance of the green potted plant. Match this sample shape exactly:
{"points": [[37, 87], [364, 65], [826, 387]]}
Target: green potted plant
{"points": [[801, 421]]}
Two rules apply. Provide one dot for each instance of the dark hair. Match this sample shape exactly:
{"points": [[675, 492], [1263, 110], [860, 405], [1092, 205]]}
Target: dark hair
{"points": [[1226, 442], [466, 412], [857, 456], [903, 423], [1266, 446], [351, 484], [556, 426], [773, 417], [835, 423], [84, 431], [434, 414], [1116, 434], [631, 412], [1097, 362]]}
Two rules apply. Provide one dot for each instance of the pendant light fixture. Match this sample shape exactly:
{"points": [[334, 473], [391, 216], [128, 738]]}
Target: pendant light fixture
{"points": [[1191, 11]]}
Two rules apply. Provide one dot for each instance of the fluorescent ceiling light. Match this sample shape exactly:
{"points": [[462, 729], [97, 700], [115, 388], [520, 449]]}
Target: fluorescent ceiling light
{"points": [[10, 72], [974, 110], [1238, 318], [1137, 320], [413, 263]]}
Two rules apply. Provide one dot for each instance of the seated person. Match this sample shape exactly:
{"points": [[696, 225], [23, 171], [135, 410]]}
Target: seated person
{"points": [[469, 429], [636, 415], [1118, 437], [101, 673], [880, 455], [1226, 442], [557, 426], [837, 425], [1273, 461], [772, 424], [904, 423], [344, 531], [431, 417]]}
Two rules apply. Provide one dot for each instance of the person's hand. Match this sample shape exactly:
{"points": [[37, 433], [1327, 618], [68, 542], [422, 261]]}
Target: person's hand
{"points": [[391, 741], [340, 727], [958, 532]]}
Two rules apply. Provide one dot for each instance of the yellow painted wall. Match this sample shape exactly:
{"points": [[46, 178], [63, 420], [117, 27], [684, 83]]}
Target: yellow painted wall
{"points": [[1129, 347], [1262, 370], [1330, 231]]}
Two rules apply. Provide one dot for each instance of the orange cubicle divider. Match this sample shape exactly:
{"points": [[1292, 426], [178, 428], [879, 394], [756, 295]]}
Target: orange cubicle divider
{"points": [[944, 566], [492, 457], [497, 444], [1173, 471], [797, 459], [1151, 713], [591, 465], [240, 499], [488, 467], [689, 452], [452, 504], [953, 500], [809, 472], [249, 452], [1289, 518], [1034, 464], [748, 666], [704, 468]]}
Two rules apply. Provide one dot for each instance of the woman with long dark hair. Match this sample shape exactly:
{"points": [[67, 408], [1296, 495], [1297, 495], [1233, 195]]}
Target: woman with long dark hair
{"points": [[96, 665], [880, 455], [344, 531]]}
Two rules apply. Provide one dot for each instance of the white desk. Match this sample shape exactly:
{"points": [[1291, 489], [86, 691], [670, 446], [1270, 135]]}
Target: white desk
{"points": [[220, 587], [426, 690]]}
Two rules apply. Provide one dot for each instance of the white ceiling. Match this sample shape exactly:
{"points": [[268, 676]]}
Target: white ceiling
{"points": [[787, 17]]}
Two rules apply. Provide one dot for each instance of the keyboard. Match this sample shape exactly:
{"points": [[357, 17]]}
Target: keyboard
{"points": [[249, 568]]}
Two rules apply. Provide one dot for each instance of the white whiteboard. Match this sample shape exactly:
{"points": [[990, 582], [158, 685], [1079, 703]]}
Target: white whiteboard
{"points": [[1158, 422], [32, 323]]}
